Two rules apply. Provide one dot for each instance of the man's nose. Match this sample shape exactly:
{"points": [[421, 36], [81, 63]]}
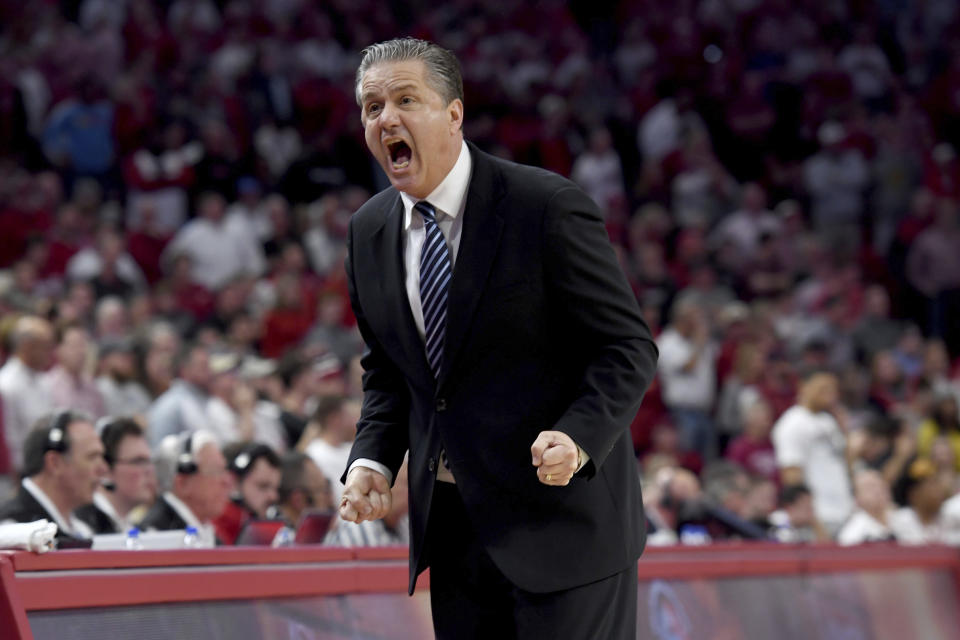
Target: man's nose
{"points": [[389, 116]]}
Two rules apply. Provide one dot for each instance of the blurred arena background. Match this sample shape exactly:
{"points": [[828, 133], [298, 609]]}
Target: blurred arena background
{"points": [[780, 180]]}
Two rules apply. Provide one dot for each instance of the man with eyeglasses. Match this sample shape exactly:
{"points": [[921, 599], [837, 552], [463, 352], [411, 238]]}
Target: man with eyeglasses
{"points": [[62, 467], [130, 482]]}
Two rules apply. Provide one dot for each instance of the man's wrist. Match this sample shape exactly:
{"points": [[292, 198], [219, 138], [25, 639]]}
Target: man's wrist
{"points": [[372, 465], [582, 458]]}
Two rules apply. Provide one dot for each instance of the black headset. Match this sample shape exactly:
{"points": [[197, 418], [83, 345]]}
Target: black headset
{"points": [[57, 432], [185, 461]]}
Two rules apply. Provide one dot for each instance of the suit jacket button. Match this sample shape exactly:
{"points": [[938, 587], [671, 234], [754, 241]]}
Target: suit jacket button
{"points": [[441, 404], [432, 465]]}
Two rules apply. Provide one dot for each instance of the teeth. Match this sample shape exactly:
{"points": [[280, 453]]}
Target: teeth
{"points": [[401, 165]]}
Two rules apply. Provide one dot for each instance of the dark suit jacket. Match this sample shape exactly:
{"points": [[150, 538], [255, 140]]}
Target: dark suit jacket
{"points": [[97, 520], [23, 507], [543, 332], [162, 517]]}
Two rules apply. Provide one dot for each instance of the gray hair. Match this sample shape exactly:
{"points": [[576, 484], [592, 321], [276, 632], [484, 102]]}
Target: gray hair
{"points": [[171, 447], [443, 68]]}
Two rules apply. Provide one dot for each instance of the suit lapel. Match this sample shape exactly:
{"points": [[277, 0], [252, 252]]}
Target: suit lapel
{"points": [[482, 225], [388, 245]]}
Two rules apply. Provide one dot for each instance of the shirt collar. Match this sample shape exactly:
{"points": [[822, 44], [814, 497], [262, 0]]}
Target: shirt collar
{"points": [[450, 195], [73, 526], [21, 366]]}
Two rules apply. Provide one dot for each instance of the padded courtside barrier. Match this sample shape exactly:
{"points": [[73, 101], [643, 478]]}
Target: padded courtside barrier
{"points": [[720, 591]]}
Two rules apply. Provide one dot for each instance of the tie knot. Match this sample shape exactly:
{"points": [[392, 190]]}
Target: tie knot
{"points": [[426, 210]]}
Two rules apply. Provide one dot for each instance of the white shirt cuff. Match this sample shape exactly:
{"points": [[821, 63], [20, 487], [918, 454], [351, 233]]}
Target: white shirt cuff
{"points": [[372, 464]]}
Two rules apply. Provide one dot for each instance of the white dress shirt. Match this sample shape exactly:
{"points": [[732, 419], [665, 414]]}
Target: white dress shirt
{"points": [[449, 200]]}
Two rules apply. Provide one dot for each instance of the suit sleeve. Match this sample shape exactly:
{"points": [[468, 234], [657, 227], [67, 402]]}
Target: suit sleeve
{"points": [[382, 432], [584, 277]]}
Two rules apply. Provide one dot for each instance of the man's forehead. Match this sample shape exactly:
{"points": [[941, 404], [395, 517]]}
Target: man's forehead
{"points": [[392, 75], [83, 434]]}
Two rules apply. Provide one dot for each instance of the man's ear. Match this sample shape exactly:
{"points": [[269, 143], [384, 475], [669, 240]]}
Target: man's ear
{"points": [[53, 462], [455, 113], [180, 484]]}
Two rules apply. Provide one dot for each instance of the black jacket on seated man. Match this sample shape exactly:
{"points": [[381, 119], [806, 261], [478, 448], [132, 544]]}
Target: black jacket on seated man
{"points": [[162, 517], [97, 520], [23, 507], [62, 466]]}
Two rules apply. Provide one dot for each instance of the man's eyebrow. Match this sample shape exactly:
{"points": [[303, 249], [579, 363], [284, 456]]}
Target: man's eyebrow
{"points": [[370, 93], [403, 87]]}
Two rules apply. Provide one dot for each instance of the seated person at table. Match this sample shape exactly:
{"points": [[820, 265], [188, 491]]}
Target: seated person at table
{"points": [[62, 467], [303, 487], [130, 483], [192, 475], [256, 473]]}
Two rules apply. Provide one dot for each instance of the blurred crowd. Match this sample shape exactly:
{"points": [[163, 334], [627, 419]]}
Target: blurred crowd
{"points": [[780, 180]]}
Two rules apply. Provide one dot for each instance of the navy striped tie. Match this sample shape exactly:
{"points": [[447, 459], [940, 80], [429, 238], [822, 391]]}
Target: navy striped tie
{"points": [[435, 273]]}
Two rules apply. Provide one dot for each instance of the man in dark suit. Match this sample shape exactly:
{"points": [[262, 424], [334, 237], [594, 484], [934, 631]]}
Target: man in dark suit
{"points": [[506, 352], [62, 466], [130, 483], [192, 474]]}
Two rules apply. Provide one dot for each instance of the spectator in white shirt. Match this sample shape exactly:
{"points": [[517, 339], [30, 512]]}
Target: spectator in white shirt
{"points": [[183, 407], [218, 252], [921, 492], [234, 412], [69, 383], [950, 516], [599, 170], [836, 178], [109, 253], [328, 437], [688, 373], [25, 400], [744, 227], [117, 382], [871, 521], [811, 448]]}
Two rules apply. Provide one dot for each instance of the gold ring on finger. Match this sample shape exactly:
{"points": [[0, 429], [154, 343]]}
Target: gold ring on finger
{"points": [[549, 477]]}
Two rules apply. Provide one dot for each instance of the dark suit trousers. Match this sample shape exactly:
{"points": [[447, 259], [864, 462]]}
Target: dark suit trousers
{"points": [[471, 598]]}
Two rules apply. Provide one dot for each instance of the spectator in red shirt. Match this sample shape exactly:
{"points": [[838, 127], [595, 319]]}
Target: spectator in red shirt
{"points": [[256, 471], [289, 321], [753, 449]]}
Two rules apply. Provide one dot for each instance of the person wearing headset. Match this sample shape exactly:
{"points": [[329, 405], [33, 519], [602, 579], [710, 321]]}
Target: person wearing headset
{"points": [[256, 472], [63, 466], [130, 485], [192, 474]]}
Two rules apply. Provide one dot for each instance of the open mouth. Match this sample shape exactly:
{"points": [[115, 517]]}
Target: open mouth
{"points": [[400, 154]]}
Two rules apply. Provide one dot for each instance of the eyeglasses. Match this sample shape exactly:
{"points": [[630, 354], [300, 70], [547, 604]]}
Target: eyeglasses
{"points": [[140, 462]]}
